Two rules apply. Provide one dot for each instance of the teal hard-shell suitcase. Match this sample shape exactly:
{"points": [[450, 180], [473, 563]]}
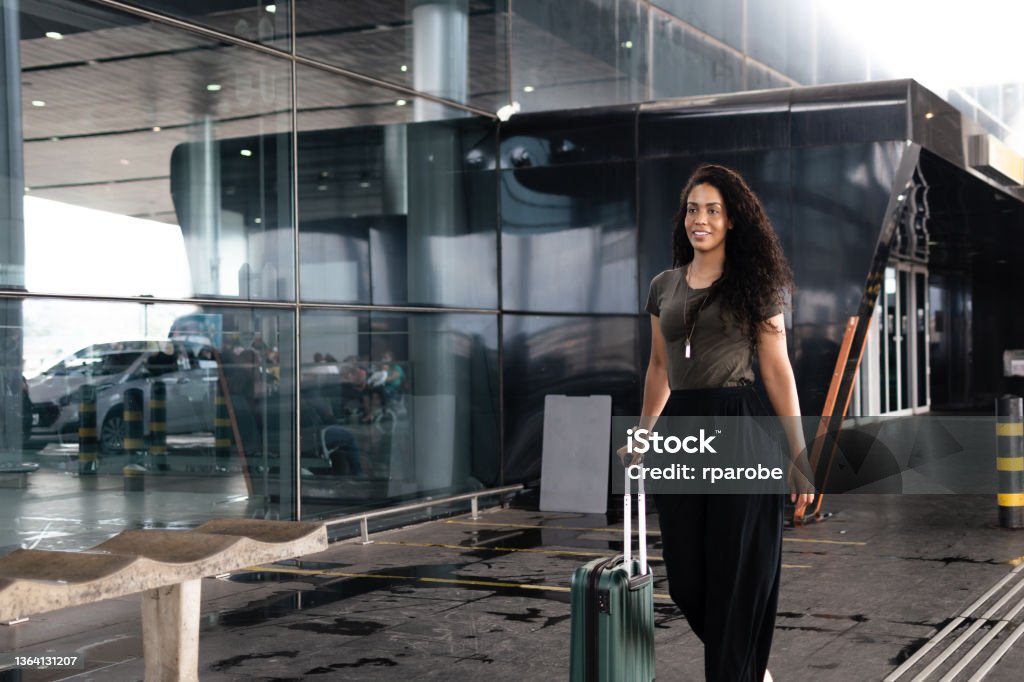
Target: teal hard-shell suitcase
{"points": [[613, 613]]}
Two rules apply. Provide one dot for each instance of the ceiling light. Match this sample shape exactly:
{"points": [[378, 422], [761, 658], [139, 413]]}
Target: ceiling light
{"points": [[364, 184], [246, 152], [125, 162], [528, 88], [628, 44], [259, 220], [54, 35], [213, 87], [900, 197], [404, 68], [27, 190], [54, 139], [401, 103], [929, 115], [156, 129], [271, 9], [38, 103]]}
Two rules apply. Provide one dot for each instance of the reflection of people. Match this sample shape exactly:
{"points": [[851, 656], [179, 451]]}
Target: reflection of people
{"points": [[334, 442], [383, 386], [241, 374], [721, 301]]}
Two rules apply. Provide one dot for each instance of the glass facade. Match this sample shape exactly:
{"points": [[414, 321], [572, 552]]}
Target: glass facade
{"points": [[249, 268], [283, 260]]}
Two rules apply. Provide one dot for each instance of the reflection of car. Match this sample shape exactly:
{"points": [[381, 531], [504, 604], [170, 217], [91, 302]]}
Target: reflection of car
{"points": [[185, 366]]}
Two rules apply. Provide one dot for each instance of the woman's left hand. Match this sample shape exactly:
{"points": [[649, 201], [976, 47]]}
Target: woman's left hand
{"points": [[801, 501]]}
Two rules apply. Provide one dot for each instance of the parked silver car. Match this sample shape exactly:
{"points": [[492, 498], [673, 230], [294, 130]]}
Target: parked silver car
{"points": [[186, 366]]}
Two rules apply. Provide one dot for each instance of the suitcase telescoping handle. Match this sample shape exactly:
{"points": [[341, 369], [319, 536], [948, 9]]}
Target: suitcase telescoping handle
{"points": [[627, 526]]}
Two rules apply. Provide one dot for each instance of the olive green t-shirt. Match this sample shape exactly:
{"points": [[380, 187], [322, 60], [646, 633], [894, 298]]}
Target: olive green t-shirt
{"points": [[720, 352]]}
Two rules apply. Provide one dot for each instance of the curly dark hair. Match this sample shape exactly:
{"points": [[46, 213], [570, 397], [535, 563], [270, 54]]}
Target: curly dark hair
{"points": [[756, 274]]}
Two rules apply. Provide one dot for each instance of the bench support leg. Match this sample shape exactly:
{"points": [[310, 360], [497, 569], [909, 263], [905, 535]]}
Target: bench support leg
{"points": [[170, 632]]}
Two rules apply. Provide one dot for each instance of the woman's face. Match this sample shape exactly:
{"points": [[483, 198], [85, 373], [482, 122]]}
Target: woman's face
{"points": [[706, 220]]}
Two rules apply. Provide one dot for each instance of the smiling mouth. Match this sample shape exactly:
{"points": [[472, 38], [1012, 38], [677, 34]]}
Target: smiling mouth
{"points": [[700, 233]]}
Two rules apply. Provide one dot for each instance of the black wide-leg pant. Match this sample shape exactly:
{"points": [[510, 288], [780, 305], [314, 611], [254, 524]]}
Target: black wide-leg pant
{"points": [[723, 555]]}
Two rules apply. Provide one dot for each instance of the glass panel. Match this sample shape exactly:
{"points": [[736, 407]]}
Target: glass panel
{"points": [[575, 54], [921, 338], [396, 406], [722, 19], [841, 57], [905, 320], [892, 336], [393, 212], [683, 63], [454, 49], [264, 21], [164, 415], [568, 240], [159, 173], [781, 34], [760, 78], [545, 355]]}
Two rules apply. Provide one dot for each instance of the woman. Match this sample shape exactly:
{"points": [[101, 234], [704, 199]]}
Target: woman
{"points": [[722, 301]]}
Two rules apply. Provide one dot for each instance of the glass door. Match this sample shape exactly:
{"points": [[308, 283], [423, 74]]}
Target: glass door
{"points": [[903, 348]]}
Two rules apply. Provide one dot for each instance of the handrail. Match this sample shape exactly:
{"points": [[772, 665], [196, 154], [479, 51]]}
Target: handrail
{"points": [[364, 517]]}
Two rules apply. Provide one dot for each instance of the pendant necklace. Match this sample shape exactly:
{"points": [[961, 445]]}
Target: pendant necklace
{"points": [[686, 297]]}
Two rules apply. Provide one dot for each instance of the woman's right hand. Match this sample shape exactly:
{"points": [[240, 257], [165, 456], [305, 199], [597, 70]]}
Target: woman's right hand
{"points": [[623, 453]]}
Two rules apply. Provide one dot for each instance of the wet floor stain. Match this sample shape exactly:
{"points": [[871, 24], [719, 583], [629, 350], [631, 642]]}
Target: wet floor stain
{"points": [[340, 626], [555, 620], [924, 623], [477, 541], [327, 591], [959, 559], [479, 658], [805, 628], [226, 663], [271, 577], [664, 614], [361, 663], [312, 565], [530, 616], [908, 651], [856, 618]]}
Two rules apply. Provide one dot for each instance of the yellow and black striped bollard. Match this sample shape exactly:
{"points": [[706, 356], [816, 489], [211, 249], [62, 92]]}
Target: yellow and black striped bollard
{"points": [[1010, 460], [134, 444], [158, 425], [88, 443], [221, 432]]}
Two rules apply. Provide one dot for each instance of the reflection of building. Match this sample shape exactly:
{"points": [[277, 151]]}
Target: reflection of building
{"points": [[340, 186]]}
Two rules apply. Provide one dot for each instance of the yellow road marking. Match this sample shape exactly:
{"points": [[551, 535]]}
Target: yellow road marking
{"points": [[1016, 562], [440, 581], [855, 543], [531, 550], [532, 525], [619, 530]]}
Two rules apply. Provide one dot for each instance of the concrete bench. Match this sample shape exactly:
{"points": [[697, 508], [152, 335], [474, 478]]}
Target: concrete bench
{"points": [[166, 566]]}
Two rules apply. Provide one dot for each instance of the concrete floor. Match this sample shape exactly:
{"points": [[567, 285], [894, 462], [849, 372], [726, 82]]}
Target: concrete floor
{"points": [[459, 599]]}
